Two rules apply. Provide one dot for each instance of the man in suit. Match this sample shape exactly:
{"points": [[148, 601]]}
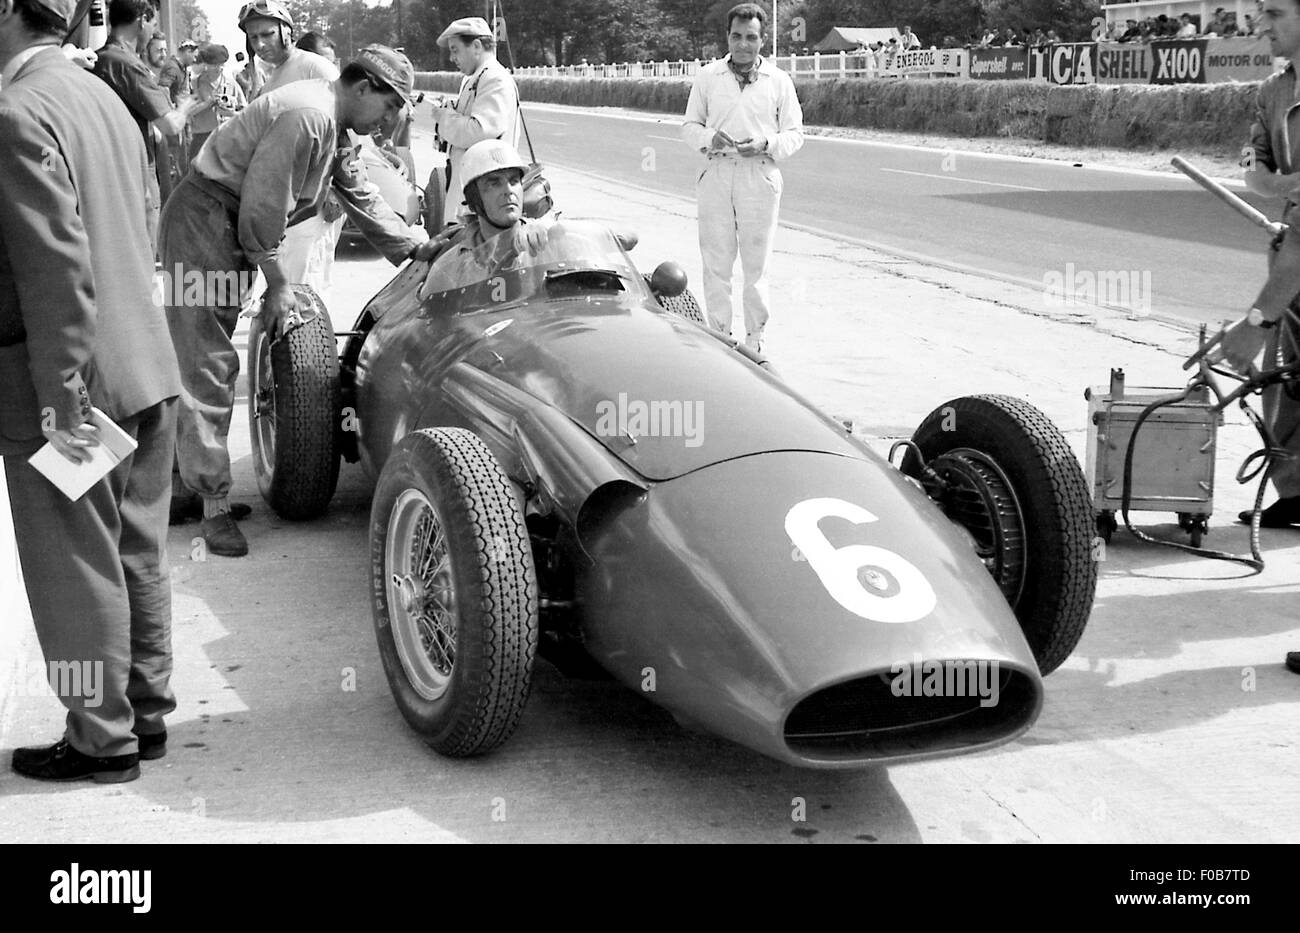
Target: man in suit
{"points": [[79, 327], [488, 105]]}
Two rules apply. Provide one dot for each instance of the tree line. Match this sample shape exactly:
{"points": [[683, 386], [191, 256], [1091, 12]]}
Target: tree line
{"points": [[564, 32]]}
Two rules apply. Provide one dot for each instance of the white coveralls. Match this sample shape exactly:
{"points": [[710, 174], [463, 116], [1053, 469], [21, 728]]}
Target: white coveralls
{"points": [[738, 195], [487, 108]]}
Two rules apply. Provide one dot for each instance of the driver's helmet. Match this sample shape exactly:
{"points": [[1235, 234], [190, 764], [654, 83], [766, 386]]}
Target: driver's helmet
{"points": [[265, 9], [486, 157]]}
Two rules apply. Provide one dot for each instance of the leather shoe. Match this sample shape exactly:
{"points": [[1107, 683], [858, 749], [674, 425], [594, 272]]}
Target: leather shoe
{"points": [[1281, 514], [190, 509], [153, 745], [223, 536], [62, 762], [1293, 661]]}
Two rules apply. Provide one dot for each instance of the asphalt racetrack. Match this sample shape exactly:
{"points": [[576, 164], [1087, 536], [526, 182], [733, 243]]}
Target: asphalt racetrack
{"points": [[1183, 253]]}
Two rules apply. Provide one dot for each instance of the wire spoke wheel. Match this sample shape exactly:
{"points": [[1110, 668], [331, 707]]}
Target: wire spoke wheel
{"points": [[455, 605], [422, 594]]}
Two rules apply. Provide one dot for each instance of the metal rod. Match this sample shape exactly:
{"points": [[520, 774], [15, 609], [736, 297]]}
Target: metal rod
{"points": [[1237, 204]]}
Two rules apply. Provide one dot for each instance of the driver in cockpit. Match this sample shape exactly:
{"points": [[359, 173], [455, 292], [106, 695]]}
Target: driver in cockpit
{"points": [[497, 228]]}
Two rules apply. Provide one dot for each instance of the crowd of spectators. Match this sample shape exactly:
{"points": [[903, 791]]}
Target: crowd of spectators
{"points": [[1222, 24]]}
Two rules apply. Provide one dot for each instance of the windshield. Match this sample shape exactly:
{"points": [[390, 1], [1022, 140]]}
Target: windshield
{"points": [[498, 271]]}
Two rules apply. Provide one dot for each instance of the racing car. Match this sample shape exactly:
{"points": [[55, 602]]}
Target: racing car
{"points": [[568, 461]]}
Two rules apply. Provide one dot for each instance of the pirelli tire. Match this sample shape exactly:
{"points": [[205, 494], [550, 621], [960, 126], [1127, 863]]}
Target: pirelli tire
{"points": [[294, 416], [455, 596], [685, 305], [1059, 574]]}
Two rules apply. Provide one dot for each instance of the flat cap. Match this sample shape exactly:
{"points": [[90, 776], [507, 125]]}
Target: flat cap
{"points": [[389, 66], [470, 27], [64, 9]]}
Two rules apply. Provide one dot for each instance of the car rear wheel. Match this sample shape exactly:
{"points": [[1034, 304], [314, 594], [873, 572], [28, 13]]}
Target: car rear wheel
{"points": [[455, 591], [1009, 477], [293, 414]]}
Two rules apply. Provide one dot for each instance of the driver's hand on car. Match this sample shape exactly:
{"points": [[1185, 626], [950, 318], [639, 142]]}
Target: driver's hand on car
{"points": [[532, 237]]}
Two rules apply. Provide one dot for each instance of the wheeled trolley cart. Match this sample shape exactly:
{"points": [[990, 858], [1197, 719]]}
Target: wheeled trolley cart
{"points": [[1173, 460]]}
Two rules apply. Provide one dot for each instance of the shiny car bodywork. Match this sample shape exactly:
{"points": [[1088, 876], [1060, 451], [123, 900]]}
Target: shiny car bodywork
{"points": [[700, 530]]}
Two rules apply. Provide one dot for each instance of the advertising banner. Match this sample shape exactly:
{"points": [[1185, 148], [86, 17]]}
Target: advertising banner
{"points": [[999, 64], [932, 61], [1072, 63], [1123, 63], [1238, 60], [1177, 61]]}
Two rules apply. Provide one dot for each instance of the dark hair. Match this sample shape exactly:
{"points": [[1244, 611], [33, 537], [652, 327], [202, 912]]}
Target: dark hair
{"points": [[126, 12], [315, 42], [353, 74], [747, 11], [489, 42], [156, 37], [39, 20]]}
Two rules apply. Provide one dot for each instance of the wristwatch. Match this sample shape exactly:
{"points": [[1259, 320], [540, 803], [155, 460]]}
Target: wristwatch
{"points": [[1256, 319]]}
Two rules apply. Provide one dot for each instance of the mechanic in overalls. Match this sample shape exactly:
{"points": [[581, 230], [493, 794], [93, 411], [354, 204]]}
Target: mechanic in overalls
{"points": [[1272, 168], [310, 244], [487, 107], [269, 165], [744, 115]]}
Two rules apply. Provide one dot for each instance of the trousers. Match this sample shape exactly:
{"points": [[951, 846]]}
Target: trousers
{"points": [[1281, 404], [198, 237], [738, 201], [98, 585]]}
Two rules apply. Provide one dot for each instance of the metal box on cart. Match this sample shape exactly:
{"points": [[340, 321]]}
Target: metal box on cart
{"points": [[1173, 460]]}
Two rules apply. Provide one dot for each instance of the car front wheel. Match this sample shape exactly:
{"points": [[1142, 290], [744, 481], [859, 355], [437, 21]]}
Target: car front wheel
{"points": [[454, 591]]}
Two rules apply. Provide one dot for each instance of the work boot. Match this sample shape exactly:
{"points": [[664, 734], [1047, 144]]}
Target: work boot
{"points": [[223, 536], [62, 762], [1281, 514], [153, 745], [189, 508]]}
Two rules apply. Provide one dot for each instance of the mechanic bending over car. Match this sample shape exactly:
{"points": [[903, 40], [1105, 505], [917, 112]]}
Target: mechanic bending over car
{"points": [[497, 227], [270, 165]]}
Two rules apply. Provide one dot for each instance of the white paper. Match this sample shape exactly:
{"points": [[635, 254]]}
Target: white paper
{"points": [[73, 479]]}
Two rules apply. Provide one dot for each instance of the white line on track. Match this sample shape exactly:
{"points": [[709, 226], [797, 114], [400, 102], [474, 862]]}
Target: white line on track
{"points": [[956, 177], [671, 139], [552, 122]]}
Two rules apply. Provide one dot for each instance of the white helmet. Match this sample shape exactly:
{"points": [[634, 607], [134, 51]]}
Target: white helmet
{"points": [[486, 157]]}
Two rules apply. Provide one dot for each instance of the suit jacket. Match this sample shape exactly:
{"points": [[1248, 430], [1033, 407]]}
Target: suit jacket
{"points": [[487, 108], [79, 321]]}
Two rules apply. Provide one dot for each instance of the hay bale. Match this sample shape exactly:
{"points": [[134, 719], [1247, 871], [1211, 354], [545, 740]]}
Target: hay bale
{"points": [[1211, 118]]}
